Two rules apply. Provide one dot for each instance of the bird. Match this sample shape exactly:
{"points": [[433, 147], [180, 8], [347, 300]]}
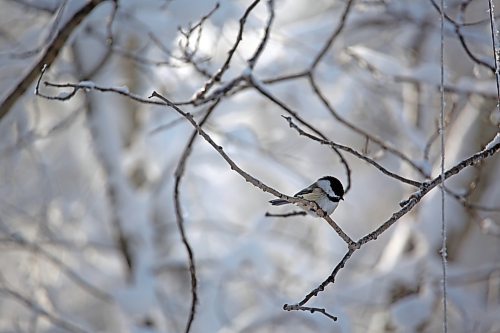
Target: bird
{"points": [[326, 192]]}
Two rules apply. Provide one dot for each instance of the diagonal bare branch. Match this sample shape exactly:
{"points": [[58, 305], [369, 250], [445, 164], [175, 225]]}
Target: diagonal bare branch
{"points": [[49, 56]]}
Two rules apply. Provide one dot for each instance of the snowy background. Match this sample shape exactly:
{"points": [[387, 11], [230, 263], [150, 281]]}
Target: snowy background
{"points": [[89, 240]]}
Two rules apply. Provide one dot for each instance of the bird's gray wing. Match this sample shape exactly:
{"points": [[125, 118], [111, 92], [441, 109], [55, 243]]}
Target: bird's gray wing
{"points": [[310, 193]]}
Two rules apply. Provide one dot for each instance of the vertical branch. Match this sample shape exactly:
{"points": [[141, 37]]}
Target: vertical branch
{"points": [[179, 173], [443, 251], [107, 153], [496, 50], [98, 126]]}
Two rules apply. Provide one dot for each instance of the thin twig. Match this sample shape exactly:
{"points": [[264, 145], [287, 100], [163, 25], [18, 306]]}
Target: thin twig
{"points": [[407, 206], [309, 309], [461, 38], [322, 286], [426, 187], [496, 50], [76, 87], [39, 310], [354, 128], [188, 53], [333, 36], [308, 205], [253, 60], [218, 75], [380, 74], [259, 87], [472, 205], [444, 250], [294, 213], [179, 173], [351, 151]]}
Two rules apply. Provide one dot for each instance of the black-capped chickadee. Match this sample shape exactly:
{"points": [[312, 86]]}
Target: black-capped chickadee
{"points": [[326, 192]]}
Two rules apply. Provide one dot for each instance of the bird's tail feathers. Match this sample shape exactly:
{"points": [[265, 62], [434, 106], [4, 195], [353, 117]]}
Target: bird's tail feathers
{"points": [[278, 202]]}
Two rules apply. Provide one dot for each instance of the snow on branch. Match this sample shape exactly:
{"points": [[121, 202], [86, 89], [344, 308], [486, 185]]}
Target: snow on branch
{"points": [[48, 57], [407, 205], [203, 98]]}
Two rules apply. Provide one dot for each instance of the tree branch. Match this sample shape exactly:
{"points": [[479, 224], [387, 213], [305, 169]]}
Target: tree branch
{"points": [[48, 57], [179, 173]]}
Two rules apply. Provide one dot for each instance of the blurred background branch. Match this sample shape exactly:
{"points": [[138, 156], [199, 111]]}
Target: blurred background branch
{"points": [[95, 222]]}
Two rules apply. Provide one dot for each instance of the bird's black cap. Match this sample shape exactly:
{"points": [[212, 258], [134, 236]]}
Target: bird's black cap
{"points": [[335, 184]]}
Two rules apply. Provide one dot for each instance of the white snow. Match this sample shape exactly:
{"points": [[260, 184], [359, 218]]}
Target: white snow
{"points": [[64, 178], [495, 141], [87, 84]]}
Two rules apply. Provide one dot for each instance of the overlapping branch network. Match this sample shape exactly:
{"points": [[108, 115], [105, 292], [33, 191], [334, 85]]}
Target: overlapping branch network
{"points": [[215, 89], [407, 205]]}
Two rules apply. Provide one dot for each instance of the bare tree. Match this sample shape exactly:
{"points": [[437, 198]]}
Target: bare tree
{"points": [[136, 177]]}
